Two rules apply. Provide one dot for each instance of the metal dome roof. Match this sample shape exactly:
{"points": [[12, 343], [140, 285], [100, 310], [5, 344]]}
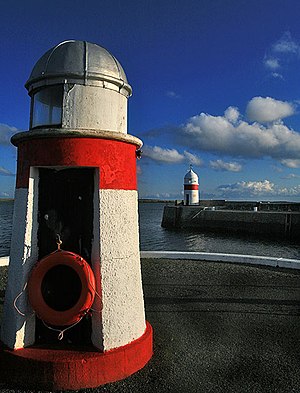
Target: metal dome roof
{"points": [[79, 61], [191, 177]]}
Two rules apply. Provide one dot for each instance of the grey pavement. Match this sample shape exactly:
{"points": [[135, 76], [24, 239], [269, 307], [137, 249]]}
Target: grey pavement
{"points": [[218, 327]]}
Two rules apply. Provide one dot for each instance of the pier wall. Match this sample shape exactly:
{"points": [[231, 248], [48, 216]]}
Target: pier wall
{"points": [[247, 205], [268, 223]]}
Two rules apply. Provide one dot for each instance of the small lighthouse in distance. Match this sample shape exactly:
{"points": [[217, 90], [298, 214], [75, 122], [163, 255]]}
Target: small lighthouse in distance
{"points": [[191, 188]]}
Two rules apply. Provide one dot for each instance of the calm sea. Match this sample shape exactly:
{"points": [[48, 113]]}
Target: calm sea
{"points": [[6, 213], [154, 237]]}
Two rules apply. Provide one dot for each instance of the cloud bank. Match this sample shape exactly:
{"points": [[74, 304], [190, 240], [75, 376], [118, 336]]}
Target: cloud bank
{"points": [[291, 163], [220, 165], [6, 132], [170, 156], [233, 136], [256, 189], [4, 194], [251, 187]]}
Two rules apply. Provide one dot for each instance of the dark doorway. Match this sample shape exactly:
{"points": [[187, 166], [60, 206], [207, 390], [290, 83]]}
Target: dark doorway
{"points": [[66, 209], [187, 200]]}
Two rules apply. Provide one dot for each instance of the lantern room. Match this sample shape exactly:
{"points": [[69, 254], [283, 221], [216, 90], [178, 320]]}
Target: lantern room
{"points": [[78, 85]]}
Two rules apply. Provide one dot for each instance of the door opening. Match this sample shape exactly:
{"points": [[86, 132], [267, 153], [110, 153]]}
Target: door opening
{"points": [[187, 201], [65, 208]]}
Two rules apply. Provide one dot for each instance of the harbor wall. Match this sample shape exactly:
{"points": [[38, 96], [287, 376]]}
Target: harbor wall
{"points": [[279, 224], [247, 205]]}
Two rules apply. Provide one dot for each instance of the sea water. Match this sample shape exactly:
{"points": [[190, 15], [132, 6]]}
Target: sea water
{"points": [[155, 238]]}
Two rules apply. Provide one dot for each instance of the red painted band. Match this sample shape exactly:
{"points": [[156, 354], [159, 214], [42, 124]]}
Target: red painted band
{"points": [[191, 186], [54, 369], [116, 160]]}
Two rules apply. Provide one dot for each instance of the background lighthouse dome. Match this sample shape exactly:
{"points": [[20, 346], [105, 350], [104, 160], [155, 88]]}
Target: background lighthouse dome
{"points": [[78, 62], [191, 177]]}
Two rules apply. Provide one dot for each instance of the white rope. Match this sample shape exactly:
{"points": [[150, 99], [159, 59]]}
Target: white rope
{"points": [[16, 298], [62, 331]]}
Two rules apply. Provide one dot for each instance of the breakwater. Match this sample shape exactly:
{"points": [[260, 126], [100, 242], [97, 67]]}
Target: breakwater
{"points": [[270, 223], [154, 237]]}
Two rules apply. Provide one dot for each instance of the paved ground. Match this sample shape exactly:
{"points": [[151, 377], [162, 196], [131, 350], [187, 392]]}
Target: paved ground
{"points": [[217, 328]]}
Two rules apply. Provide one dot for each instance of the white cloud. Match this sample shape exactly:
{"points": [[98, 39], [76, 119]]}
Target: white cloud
{"points": [[232, 114], [5, 172], [291, 163], [291, 176], [280, 54], [250, 188], [220, 165], [192, 158], [268, 109], [172, 94], [4, 194], [287, 191], [163, 195], [276, 168], [277, 75], [170, 156], [286, 44], [217, 134], [257, 189], [272, 63], [156, 153], [160, 195], [6, 132]]}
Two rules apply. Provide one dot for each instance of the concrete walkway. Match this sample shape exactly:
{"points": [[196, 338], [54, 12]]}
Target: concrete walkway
{"points": [[218, 327]]}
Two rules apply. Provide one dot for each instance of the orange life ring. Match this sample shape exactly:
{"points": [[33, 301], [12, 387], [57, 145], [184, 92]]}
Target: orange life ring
{"points": [[61, 288]]}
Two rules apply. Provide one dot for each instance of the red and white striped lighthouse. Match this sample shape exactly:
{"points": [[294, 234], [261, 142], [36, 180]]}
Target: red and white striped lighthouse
{"points": [[191, 188], [76, 183]]}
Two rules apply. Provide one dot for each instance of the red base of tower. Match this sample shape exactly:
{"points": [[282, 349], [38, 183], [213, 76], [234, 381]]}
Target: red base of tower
{"points": [[56, 369]]}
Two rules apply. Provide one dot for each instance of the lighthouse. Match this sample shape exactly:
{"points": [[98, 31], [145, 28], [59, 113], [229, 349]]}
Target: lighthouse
{"points": [[74, 315], [191, 188]]}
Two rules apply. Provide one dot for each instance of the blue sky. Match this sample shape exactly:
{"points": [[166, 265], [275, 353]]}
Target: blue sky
{"points": [[216, 83]]}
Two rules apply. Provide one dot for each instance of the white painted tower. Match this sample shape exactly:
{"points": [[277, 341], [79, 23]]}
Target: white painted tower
{"points": [[191, 188], [76, 177]]}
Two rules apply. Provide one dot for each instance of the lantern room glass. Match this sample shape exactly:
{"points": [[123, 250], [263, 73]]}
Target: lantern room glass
{"points": [[47, 107]]}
